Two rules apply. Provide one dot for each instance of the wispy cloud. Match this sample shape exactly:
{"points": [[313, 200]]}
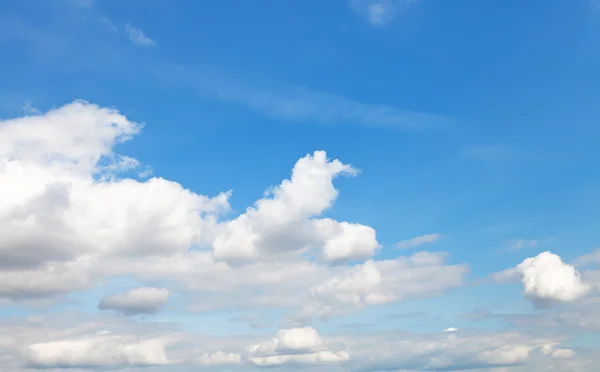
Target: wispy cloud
{"points": [[379, 12], [279, 101], [292, 103], [138, 37], [419, 240], [29, 109], [516, 244], [105, 21]]}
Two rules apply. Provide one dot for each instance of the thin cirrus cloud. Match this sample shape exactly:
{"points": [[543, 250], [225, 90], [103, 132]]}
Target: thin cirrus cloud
{"points": [[418, 241], [283, 102], [137, 36], [379, 13], [292, 103], [517, 244]]}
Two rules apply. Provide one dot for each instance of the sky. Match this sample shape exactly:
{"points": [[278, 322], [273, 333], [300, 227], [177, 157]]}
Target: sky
{"points": [[341, 185]]}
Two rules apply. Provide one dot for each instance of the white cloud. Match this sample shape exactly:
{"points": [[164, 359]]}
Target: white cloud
{"points": [[549, 349], [64, 206], [451, 329], [69, 220], [138, 37], [283, 223], [379, 282], [517, 244], [145, 300], [86, 339], [219, 358], [99, 351], [380, 12], [590, 258], [295, 346], [418, 241], [546, 278]]}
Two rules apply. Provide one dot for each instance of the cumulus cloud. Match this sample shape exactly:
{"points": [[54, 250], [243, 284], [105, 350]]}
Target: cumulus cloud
{"points": [[65, 208], [547, 278], [99, 351], [550, 349], [417, 241], [295, 346], [145, 300], [379, 282], [138, 37], [284, 222]]}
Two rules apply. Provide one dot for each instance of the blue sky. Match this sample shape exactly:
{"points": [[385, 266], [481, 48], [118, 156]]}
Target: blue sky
{"points": [[467, 135]]}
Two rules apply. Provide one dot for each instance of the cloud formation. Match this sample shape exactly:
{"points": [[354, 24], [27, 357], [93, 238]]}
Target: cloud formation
{"points": [[137, 36], [145, 300], [73, 217], [418, 241], [380, 12], [546, 279]]}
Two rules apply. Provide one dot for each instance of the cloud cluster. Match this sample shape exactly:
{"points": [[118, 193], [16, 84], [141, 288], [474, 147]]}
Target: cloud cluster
{"points": [[74, 215], [295, 346], [380, 282]]}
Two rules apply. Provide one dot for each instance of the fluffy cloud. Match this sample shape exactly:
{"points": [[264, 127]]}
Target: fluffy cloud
{"points": [[283, 222], [547, 278], [64, 210], [99, 351], [557, 353], [379, 282], [295, 346], [145, 300], [71, 218]]}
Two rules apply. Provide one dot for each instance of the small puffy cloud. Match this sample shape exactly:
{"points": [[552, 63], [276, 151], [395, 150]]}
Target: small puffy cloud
{"points": [[418, 241], [295, 346], [138, 37], [546, 278], [451, 329], [146, 300], [219, 358], [100, 351]]}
